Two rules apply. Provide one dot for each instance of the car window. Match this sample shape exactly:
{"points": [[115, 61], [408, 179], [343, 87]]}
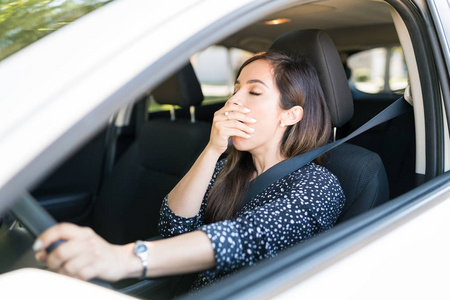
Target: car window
{"points": [[216, 68], [24, 22], [379, 70]]}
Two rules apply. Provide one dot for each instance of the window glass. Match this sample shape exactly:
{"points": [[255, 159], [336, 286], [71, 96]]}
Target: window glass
{"points": [[216, 68], [22, 22], [379, 70], [398, 76]]}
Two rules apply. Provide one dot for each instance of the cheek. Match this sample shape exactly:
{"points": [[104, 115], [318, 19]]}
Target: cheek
{"points": [[266, 120], [266, 111]]}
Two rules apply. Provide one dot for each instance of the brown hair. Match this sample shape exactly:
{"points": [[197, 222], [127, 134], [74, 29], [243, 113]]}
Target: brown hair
{"points": [[298, 84]]}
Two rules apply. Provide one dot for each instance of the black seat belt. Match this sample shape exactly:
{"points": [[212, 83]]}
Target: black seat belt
{"points": [[286, 167]]}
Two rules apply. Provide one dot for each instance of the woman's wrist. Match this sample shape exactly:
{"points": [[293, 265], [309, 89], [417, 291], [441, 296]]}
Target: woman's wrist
{"points": [[135, 266], [131, 266], [213, 152]]}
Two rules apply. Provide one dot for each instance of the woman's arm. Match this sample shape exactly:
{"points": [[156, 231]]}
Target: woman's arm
{"points": [[187, 196], [85, 255]]}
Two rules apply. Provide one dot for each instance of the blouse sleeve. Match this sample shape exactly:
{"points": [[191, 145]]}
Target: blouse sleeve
{"points": [[294, 212], [171, 224]]}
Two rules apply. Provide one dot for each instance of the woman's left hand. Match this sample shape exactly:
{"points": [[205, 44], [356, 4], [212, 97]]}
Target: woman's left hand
{"points": [[83, 255]]}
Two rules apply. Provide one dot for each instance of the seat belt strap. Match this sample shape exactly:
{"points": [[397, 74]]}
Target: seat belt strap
{"points": [[286, 167]]}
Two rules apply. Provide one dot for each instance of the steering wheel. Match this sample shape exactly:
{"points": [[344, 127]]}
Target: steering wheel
{"points": [[36, 219]]}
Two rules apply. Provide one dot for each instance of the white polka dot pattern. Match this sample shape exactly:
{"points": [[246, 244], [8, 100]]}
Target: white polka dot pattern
{"points": [[295, 208]]}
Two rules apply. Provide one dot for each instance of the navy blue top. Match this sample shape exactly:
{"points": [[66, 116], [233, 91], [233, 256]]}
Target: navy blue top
{"points": [[293, 209]]}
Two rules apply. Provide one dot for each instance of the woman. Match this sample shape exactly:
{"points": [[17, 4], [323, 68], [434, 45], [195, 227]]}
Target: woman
{"points": [[277, 111]]}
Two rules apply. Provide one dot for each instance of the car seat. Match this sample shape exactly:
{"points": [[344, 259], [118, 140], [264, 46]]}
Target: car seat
{"points": [[360, 171], [130, 198]]}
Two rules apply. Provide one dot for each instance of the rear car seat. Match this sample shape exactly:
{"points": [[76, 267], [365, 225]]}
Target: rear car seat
{"points": [[164, 150], [394, 141]]}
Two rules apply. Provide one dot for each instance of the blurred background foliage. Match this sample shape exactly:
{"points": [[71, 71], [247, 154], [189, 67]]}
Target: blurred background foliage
{"points": [[24, 21]]}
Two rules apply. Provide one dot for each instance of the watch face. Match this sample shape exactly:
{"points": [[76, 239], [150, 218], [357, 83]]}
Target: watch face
{"points": [[141, 248]]}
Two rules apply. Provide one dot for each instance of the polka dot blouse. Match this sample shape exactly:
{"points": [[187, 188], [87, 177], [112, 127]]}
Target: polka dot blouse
{"points": [[293, 209]]}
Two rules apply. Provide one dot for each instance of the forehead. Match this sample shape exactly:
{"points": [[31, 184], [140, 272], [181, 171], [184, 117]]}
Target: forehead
{"points": [[259, 69]]}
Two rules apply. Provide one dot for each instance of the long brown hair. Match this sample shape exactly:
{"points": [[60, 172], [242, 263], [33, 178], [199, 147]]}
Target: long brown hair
{"points": [[298, 83]]}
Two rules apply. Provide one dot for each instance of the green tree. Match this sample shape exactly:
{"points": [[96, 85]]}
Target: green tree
{"points": [[24, 21]]}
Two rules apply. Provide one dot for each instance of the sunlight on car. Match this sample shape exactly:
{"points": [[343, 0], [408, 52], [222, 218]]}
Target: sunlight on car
{"points": [[23, 22]]}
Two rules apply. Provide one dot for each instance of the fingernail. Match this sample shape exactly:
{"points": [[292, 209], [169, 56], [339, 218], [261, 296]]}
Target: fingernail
{"points": [[252, 129], [252, 120], [249, 136], [246, 109], [37, 246]]}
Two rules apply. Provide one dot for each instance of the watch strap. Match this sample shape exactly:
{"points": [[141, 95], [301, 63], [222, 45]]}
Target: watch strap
{"points": [[141, 251]]}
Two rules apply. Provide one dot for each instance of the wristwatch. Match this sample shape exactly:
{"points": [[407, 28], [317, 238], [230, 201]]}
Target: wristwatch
{"points": [[141, 251]]}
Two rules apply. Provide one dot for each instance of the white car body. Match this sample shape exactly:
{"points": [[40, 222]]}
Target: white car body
{"points": [[56, 94]]}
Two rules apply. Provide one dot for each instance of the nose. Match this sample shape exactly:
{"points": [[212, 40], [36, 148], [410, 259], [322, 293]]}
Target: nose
{"points": [[235, 99]]}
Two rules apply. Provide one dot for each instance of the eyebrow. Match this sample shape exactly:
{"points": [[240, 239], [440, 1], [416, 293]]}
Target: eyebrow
{"points": [[253, 81]]}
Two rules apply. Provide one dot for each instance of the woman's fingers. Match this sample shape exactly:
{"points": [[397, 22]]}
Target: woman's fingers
{"points": [[69, 251], [230, 120], [233, 124], [232, 106], [83, 255], [97, 259], [238, 116], [82, 267], [226, 133], [63, 231], [226, 129], [234, 116], [234, 112]]}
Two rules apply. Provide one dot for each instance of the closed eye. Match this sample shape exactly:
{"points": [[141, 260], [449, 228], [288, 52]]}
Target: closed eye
{"points": [[255, 93]]}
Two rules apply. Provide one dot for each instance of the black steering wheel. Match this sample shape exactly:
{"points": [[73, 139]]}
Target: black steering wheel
{"points": [[36, 219]]}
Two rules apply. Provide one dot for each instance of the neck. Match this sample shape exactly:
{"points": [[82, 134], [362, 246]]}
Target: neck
{"points": [[268, 155], [266, 160]]}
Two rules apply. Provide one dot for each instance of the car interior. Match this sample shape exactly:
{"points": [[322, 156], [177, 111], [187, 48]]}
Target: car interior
{"points": [[115, 183]]}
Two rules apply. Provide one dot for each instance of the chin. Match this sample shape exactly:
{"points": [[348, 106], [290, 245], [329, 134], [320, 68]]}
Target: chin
{"points": [[241, 144]]}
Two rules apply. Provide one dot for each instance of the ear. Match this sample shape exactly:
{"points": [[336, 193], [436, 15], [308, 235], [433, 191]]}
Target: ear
{"points": [[292, 115]]}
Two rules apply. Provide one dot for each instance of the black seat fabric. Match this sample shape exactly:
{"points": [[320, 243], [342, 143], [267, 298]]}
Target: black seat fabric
{"points": [[320, 49], [364, 182], [360, 171], [182, 89], [164, 150]]}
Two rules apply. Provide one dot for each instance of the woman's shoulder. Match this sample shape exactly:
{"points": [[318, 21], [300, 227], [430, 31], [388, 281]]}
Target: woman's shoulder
{"points": [[316, 187], [314, 174], [312, 167]]}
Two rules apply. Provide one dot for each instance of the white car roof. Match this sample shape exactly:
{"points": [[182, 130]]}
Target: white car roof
{"points": [[76, 78]]}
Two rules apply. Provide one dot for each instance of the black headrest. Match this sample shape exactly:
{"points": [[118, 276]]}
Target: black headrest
{"points": [[320, 49], [182, 89]]}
